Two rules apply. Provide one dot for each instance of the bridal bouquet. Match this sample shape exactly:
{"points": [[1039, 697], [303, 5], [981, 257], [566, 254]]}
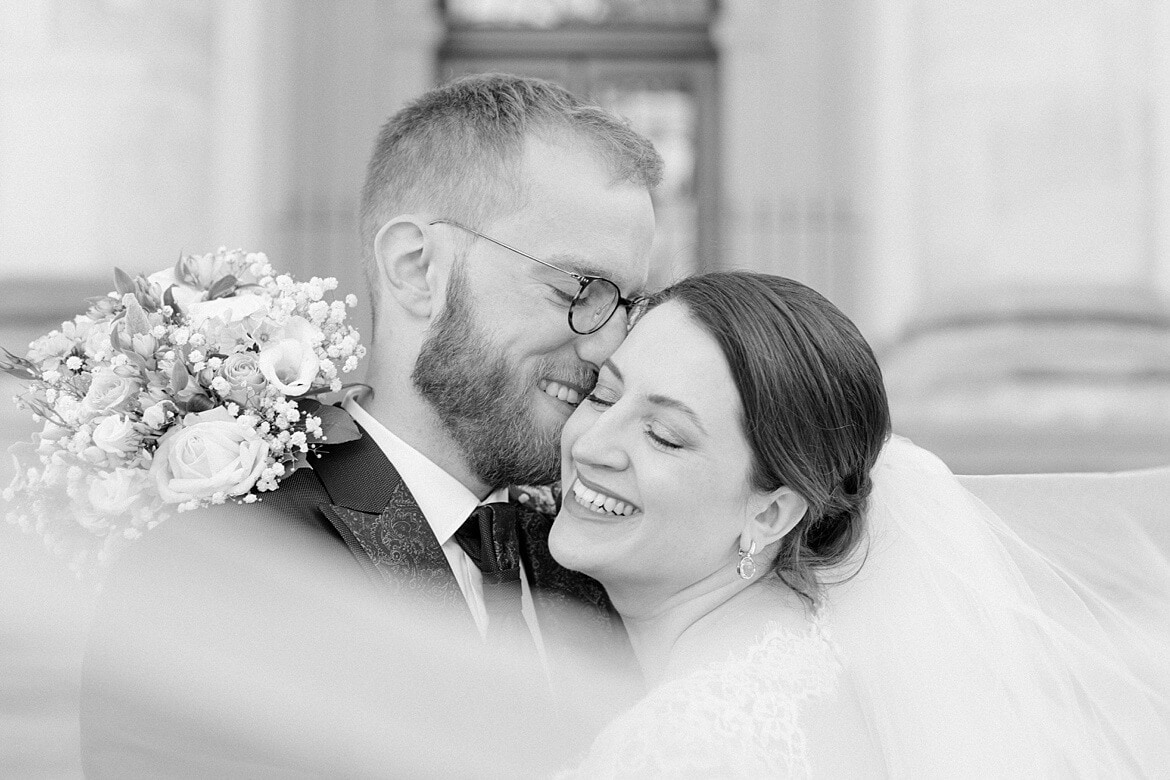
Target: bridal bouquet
{"points": [[189, 387]]}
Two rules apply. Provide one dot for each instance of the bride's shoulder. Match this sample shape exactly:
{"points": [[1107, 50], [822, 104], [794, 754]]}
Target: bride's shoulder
{"points": [[742, 714], [778, 660]]}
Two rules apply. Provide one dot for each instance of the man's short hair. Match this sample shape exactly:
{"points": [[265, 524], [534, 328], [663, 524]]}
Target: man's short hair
{"points": [[454, 151]]}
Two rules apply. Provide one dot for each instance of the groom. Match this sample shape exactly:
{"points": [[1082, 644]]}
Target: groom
{"points": [[505, 225]]}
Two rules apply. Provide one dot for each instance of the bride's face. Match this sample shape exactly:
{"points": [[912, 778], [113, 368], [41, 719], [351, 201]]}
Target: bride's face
{"points": [[655, 464]]}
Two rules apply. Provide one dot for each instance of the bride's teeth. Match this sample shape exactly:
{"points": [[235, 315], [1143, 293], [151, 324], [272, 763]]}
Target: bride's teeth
{"points": [[599, 502]]}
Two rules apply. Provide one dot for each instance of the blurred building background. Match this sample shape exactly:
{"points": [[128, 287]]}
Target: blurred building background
{"points": [[984, 187]]}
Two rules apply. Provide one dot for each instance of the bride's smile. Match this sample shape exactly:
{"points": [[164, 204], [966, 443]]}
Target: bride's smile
{"points": [[600, 501]]}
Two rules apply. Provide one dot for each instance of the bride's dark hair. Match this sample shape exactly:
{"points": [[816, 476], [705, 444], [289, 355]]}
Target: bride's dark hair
{"points": [[814, 406]]}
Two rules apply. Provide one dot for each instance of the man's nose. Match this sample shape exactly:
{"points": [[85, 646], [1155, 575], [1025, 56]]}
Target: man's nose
{"points": [[596, 347]]}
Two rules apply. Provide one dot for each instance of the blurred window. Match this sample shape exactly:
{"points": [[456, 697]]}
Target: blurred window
{"points": [[547, 14], [651, 61]]}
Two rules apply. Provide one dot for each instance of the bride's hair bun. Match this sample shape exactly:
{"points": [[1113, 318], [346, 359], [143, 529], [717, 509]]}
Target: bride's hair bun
{"points": [[815, 409]]}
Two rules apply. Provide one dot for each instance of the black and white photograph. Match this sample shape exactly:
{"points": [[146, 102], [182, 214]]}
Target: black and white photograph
{"points": [[583, 389]]}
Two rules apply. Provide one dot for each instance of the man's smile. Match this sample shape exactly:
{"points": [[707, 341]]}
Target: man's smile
{"points": [[562, 392]]}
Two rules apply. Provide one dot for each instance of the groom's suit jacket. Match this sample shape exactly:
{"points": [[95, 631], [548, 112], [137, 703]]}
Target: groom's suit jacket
{"points": [[326, 592]]}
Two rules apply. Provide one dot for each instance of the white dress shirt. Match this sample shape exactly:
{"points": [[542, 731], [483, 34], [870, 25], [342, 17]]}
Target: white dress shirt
{"points": [[446, 503]]}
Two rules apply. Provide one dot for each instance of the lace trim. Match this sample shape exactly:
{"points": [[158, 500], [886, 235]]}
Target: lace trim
{"points": [[735, 718]]}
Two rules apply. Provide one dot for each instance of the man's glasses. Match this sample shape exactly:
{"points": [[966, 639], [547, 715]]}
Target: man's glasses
{"points": [[592, 306]]}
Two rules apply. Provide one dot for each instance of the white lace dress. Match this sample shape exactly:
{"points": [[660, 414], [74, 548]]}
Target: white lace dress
{"points": [[736, 718]]}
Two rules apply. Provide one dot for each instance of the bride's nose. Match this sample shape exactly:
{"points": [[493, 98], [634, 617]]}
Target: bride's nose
{"points": [[601, 443]]}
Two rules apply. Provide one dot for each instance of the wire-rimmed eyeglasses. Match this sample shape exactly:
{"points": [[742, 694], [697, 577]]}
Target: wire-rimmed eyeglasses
{"points": [[592, 306]]}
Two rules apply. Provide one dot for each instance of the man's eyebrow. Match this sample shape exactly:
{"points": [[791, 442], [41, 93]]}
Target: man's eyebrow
{"points": [[577, 264]]}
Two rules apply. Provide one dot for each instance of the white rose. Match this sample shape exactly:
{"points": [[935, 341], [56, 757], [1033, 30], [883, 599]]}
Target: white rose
{"points": [[211, 452], [110, 391], [115, 435], [184, 294], [229, 310], [289, 365], [155, 416], [242, 372], [115, 492]]}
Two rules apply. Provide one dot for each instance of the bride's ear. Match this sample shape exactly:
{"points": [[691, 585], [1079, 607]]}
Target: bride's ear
{"points": [[408, 266], [784, 509]]}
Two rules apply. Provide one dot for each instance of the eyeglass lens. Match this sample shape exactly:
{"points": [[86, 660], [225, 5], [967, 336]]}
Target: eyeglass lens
{"points": [[594, 305]]}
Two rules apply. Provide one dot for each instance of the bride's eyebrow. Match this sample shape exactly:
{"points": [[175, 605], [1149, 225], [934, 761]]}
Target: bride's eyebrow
{"points": [[661, 400], [679, 406]]}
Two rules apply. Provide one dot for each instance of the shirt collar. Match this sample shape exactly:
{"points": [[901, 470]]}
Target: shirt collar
{"points": [[445, 502]]}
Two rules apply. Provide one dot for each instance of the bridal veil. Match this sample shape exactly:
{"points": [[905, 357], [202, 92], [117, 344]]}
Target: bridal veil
{"points": [[977, 653]]}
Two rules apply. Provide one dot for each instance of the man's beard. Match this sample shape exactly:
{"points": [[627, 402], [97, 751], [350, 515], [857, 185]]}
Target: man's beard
{"points": [[483, 401]]}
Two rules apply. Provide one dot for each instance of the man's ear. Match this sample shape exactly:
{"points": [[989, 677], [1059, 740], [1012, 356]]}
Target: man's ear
{"points": [[409, 266], [783, 510]]}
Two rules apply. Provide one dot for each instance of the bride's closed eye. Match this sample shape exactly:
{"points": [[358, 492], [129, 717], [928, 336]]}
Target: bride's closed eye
{"points": [[599, 401], [662, 441]]}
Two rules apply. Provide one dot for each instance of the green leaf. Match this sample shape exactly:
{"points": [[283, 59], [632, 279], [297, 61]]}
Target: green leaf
{"points": [[136, 321], [197, 403], [223, 288], [19, 367], [336, 424], [169, 300], [122, 282], [179, 377], [301, 462]]}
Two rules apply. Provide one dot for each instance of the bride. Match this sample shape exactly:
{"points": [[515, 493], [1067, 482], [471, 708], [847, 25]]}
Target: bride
{"points": [[807, 595]]}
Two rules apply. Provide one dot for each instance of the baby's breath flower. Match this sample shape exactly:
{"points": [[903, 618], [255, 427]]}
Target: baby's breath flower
{"points": [[71, 452]]}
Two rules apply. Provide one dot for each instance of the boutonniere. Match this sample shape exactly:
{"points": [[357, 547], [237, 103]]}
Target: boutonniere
{"points": [[545, 499]]}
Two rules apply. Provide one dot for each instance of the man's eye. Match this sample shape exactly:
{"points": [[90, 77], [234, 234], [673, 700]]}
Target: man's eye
{"points": [[561, 295]]}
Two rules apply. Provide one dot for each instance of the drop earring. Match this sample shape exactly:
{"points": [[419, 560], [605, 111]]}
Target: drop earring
{"points": [[747, 567]]}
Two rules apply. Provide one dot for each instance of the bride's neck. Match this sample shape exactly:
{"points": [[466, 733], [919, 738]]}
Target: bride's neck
{"points": [[680, 633]]}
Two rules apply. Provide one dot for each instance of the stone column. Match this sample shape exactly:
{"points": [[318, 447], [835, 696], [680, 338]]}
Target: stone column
{"points": [[784, 209], [355, 63]]}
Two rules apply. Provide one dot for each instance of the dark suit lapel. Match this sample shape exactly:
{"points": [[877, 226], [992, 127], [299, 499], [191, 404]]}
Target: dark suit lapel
{"points": [[373, 509]]}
